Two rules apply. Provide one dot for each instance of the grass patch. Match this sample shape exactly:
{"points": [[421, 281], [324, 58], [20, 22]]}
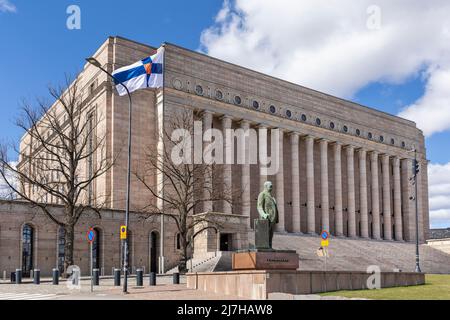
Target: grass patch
{"points": [[436, 287]]}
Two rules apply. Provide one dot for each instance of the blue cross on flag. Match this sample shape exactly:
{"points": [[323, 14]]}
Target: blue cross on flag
{"points": [[147, 73]]}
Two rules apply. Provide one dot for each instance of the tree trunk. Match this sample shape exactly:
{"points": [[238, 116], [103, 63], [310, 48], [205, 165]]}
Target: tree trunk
{"points": [[68, 248], [182, 266]]}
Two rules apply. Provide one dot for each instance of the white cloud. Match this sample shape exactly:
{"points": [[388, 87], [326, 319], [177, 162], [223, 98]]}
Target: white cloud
{"points": [[6, 6], [326, 45], [432, 111], [439, 190]]}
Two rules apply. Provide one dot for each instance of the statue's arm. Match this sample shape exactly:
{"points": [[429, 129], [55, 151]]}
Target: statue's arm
{"points": [[260, 206]]}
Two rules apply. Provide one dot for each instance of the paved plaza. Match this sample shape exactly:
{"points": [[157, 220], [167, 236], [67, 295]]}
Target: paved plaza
{"points": [[164, 290]]}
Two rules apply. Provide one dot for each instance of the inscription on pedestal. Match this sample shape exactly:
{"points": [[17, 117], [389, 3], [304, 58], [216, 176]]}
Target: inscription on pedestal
{"points": [[265, 260]]}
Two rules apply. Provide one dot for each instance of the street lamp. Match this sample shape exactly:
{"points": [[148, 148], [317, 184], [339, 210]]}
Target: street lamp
{"points": [[416, 170], [97, 64]]}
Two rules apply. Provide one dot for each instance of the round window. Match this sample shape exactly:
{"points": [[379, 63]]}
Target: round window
{"points": [[272, 109], [358, 132], [237, 100], [288, 113], [303, 117], [219, 95], [370, 135], [332, 125], [255, 104], [381, 139], [345, 128], [392, 141], [199, 90], [318, 121]]}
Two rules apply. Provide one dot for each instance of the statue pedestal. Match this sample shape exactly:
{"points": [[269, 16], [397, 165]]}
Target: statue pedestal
{"points": [[262, 234], [265, 259]]}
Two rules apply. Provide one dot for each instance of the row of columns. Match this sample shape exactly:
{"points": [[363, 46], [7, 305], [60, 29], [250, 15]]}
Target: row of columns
{"points": [[294, 171]]}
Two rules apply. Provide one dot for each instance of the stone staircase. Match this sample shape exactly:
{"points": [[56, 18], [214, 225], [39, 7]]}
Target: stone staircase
{"points": [[216, 261], [357, 255], [344, 254]]}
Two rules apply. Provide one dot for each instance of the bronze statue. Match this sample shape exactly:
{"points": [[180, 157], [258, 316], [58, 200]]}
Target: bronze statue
{"points": [[267, 209]]}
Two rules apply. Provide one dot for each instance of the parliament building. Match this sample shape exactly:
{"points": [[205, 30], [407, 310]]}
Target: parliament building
{"points": [[344, 167]]}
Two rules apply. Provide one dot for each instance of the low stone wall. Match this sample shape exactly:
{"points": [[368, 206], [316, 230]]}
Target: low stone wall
{"points": [[259, 284]]}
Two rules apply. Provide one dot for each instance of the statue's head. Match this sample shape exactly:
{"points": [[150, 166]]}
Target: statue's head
{"points": [[268, 186]]}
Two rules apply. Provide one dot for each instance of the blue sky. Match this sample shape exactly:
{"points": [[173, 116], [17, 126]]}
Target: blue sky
{"points": [[37, 49]]}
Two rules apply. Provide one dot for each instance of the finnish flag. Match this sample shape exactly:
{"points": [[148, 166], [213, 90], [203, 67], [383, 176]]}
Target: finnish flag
{"points": [[147, 73]]}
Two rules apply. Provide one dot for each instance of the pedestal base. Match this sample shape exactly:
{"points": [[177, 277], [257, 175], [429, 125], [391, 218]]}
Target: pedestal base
{"points": [[265, 259]]}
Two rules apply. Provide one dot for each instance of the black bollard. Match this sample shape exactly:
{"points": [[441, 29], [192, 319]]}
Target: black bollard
{"points": [[139, 278], [176, 278], [117, 277], [152, 279], [37, 276], [55, 277], [96, 277], [13, 277], [18, 276]]}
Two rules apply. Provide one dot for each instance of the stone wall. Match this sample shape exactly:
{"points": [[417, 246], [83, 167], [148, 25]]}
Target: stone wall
{"points": [[14, 215]]}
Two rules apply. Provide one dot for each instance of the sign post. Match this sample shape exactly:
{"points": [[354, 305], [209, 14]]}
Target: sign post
{"points": [[90, 236], [325, 242]]}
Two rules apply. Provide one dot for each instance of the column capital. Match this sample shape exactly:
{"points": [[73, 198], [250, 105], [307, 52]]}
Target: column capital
{"points": [[206, 112], [385, 156], [374, 153], [294, 134], [349, 147], [336, 143], [226, 116], [309, 137], [361, 150], [244, 123], [323, 140]]}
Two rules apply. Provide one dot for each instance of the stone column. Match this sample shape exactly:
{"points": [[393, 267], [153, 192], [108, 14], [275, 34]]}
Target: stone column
{"points": [[262, 176], [397, 200], [310, 201], [338, 190], [363, 193], [227, 153], [245, 175], [207, 180], [279, 192], [295, 178], [386, 197], [375, 196], [325, 205], [350, 151]]}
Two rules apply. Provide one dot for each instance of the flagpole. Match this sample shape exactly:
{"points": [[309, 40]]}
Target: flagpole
{"points": [[162, 264], [97, 64]]}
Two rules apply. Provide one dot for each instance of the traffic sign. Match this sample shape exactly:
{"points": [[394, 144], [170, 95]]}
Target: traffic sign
{"points": [[123, 232], [325, 235], [325, 243], [90, 235]]}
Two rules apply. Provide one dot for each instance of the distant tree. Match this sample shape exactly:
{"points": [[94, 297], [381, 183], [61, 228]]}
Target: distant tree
{"points": [[61, 155]]}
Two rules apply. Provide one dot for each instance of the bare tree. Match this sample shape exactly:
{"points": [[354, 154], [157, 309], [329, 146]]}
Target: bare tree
{"points": [[184, 186], [60, 157]]}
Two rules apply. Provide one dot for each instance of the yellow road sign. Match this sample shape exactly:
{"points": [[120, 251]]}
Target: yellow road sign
{"points": [[325, 243], [123, 232]]}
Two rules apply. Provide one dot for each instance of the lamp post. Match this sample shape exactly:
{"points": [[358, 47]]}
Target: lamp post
{"points": [[97, 64], [416, 171]]}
